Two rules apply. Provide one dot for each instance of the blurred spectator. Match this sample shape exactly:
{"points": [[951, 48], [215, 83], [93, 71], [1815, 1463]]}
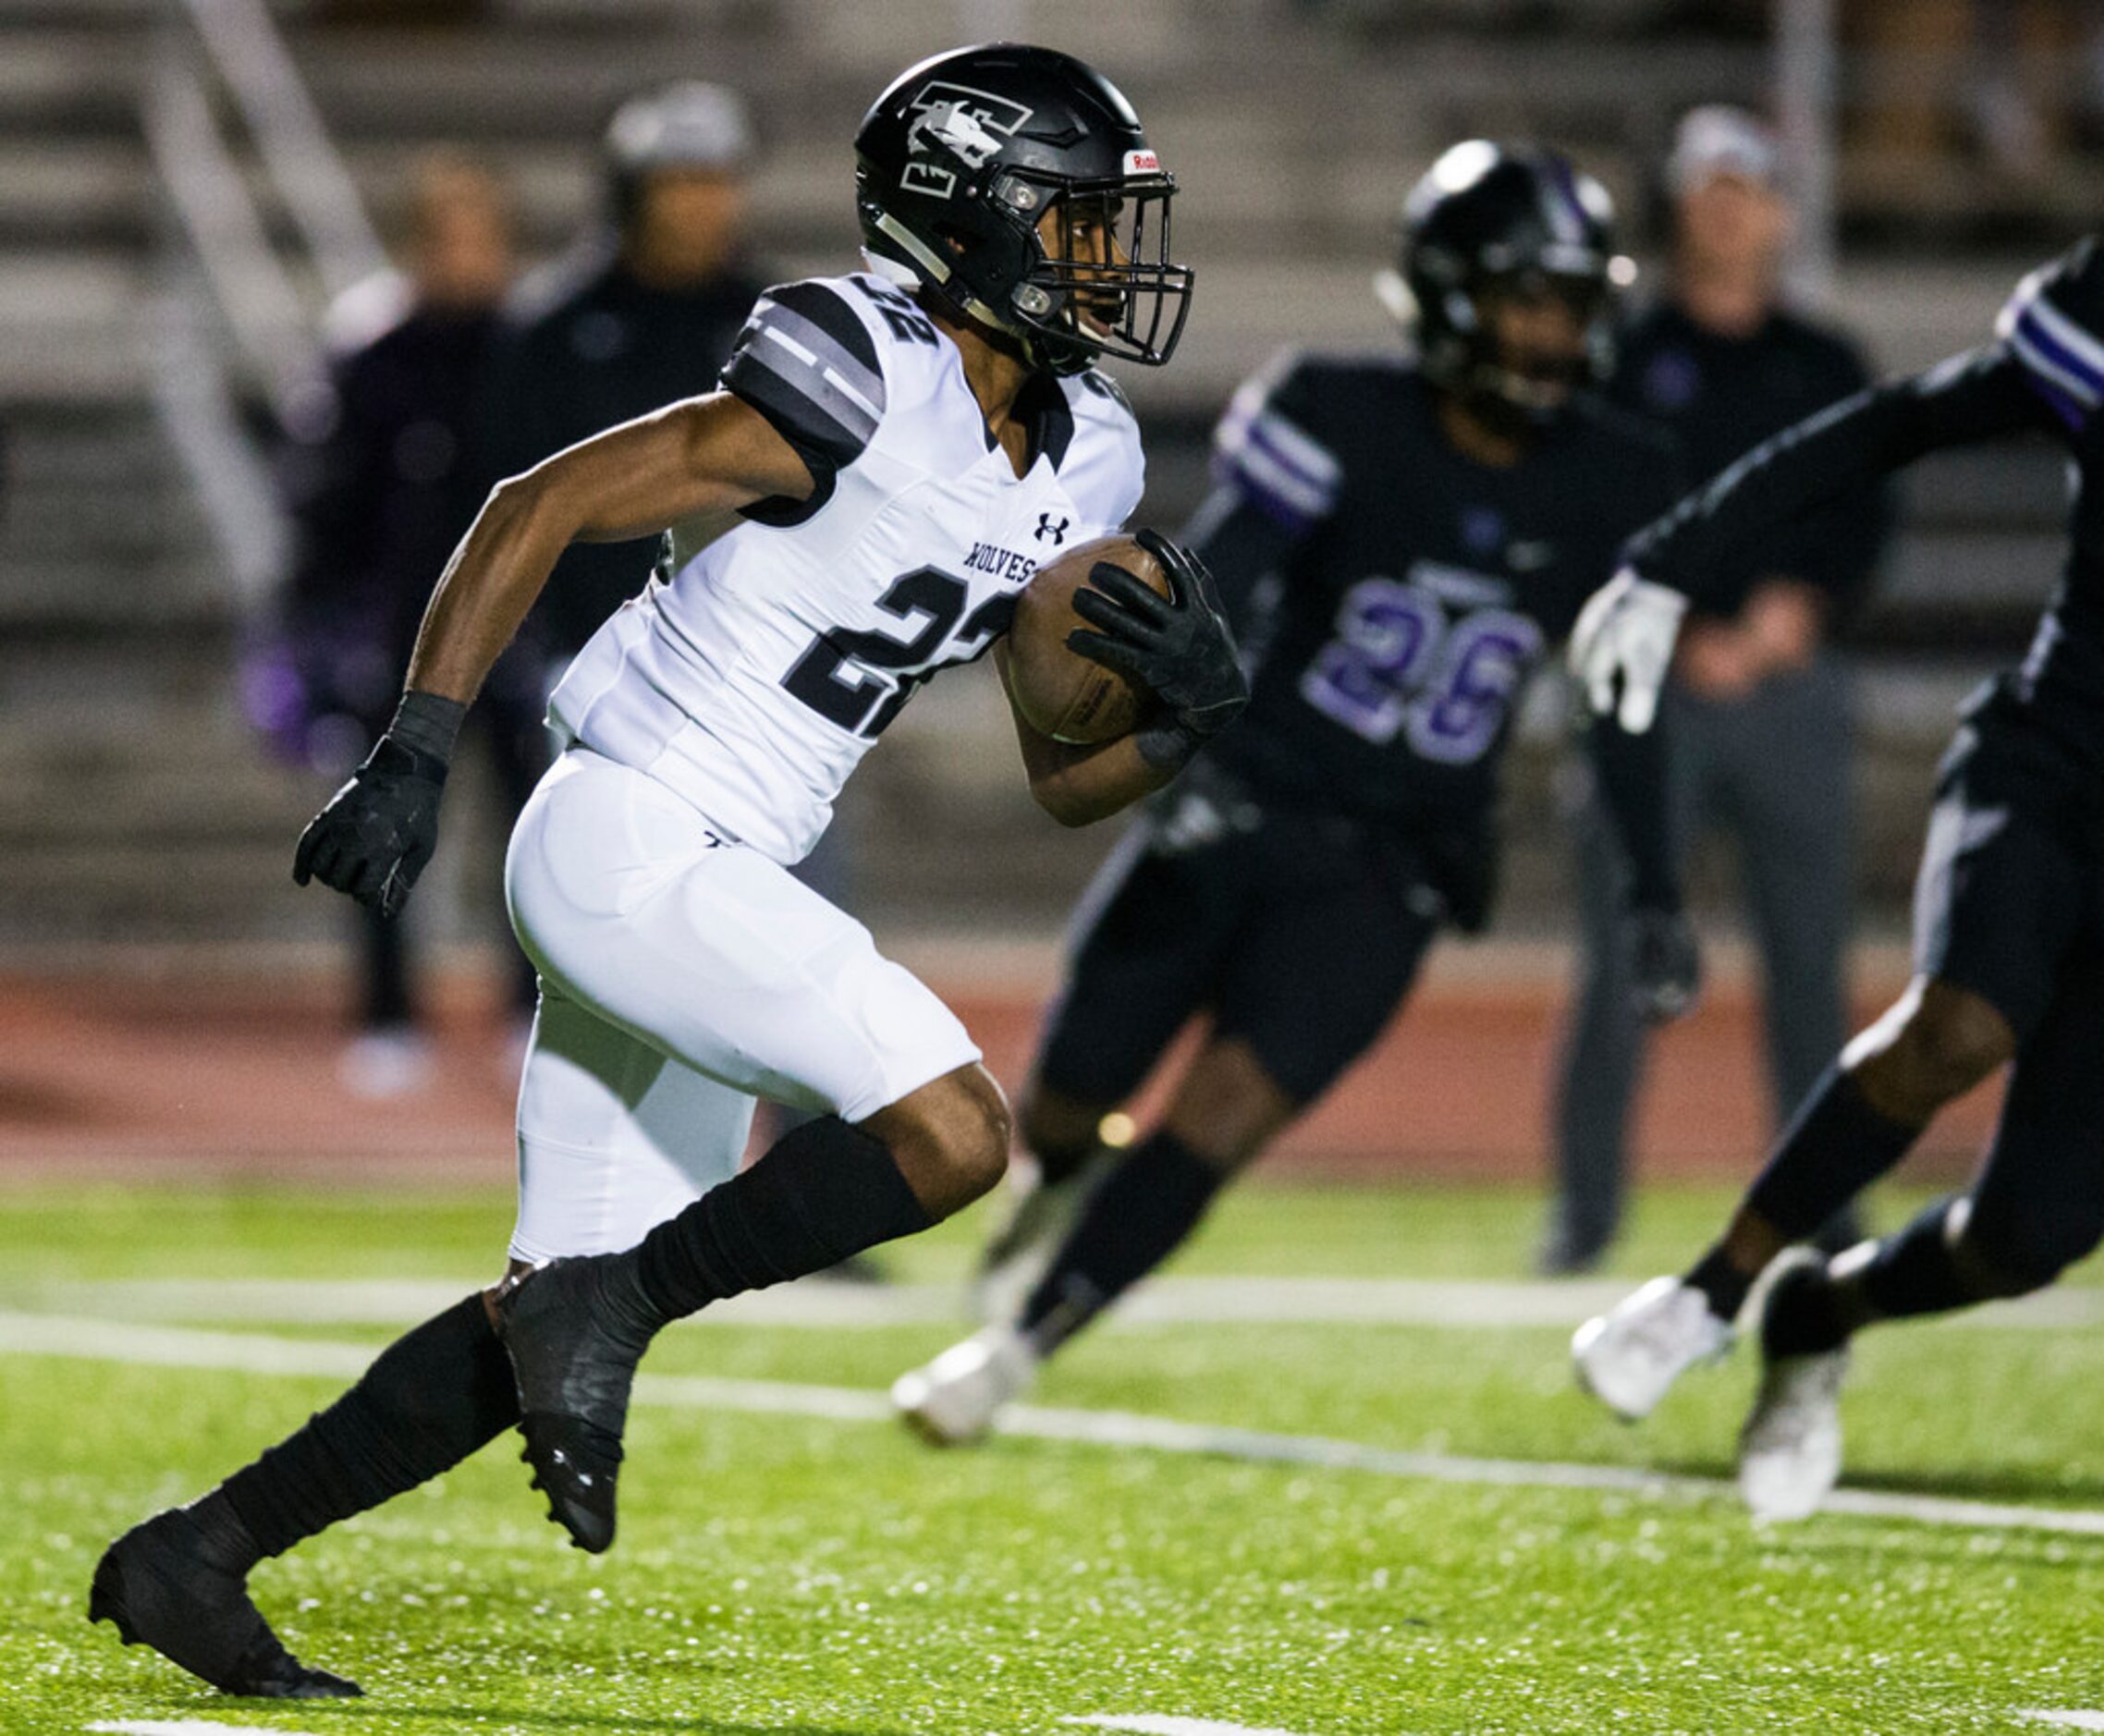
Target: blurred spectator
{"points": [[1759, 707], [641, 313], [2005, 66], [373, 473]]}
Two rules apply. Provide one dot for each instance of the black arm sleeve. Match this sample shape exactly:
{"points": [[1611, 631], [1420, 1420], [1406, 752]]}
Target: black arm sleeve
{"points": [[1631, 774], [1979, 395], [1835, 547]]}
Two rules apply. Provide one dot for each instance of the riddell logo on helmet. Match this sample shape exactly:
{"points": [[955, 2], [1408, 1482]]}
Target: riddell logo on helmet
{"points": [[1141, 163], [958, 122]]}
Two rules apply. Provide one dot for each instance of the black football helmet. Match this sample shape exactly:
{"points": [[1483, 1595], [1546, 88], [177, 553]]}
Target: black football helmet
{"points": [[1488, 217], [959, 161]]}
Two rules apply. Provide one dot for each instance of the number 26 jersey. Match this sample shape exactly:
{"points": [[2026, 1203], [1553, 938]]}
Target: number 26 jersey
{"points": [[775, 644], [1417, 590]]}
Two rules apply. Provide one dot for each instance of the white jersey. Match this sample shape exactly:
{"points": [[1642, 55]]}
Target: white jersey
{"points": [[756, 669]]}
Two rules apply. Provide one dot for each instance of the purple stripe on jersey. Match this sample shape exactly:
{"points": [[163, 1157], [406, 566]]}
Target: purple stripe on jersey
{"points": [[1288, 515], [2035, 332], [1296, 468]]}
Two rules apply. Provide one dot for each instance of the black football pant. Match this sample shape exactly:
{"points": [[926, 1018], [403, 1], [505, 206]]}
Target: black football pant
{"points": [[1299, 936]]}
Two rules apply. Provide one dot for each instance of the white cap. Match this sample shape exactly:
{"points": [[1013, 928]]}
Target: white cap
{"points": [[1720, 140], [688, 124]]}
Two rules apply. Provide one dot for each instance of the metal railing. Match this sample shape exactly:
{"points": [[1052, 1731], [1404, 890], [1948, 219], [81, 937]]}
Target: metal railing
{"points": [[233, 318]]}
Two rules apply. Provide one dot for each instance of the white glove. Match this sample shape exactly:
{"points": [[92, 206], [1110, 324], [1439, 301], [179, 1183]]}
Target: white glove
{"points": [[1623, 644]]}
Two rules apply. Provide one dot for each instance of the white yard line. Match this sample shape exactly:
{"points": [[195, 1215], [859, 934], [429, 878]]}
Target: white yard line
{"points": [[185, 1726], [180, 1347], [2067, 1721], [834, 1306], [1155, 1724]]}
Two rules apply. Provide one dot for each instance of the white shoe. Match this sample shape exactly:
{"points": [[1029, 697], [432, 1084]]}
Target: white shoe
{"points": [[1629, 1356], [1790, 1450], [1016, 1254], [953, 1400], [385, 1062]]}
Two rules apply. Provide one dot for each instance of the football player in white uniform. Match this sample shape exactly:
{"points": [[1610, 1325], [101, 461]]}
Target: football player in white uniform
{"points": [[888, 461]]}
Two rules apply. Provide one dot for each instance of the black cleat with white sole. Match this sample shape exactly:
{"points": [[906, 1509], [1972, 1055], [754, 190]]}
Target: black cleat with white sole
{"points": [[575, 1330], [171, 1583]]}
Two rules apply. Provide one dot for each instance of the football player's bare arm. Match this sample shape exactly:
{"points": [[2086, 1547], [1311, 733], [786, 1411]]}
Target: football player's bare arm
{"points": [[1075, 785], [701, 454]]}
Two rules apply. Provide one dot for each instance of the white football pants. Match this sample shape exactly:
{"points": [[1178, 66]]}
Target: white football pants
{"points": [[682, 977]]}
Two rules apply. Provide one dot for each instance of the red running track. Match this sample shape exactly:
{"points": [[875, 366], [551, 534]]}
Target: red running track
{"points": [[147, 1071]]}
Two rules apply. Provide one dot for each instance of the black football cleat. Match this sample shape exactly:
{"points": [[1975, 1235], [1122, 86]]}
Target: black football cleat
{"points": [[575, 1330], [167, 1584]]}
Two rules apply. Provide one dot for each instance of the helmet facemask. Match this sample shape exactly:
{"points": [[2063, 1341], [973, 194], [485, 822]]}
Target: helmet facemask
{"points": [[1536, 385], [1460, 350], [1102, 283]]}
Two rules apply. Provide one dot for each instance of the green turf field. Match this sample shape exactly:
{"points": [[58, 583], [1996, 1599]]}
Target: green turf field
{"points": [[799, 1575]]}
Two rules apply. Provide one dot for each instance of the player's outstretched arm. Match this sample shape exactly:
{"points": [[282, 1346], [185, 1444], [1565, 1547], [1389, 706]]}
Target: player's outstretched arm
{"points": [[703, 455], [1623, 645]]}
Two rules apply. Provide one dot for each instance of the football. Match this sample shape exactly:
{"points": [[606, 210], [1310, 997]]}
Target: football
{"points": [[1059, 691]]}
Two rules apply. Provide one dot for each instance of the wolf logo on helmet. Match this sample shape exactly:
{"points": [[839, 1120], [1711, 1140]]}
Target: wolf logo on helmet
{"points": [[970, 125]]}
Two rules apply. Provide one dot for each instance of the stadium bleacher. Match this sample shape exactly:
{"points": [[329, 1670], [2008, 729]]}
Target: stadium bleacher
{"points": [[1293, 129]]}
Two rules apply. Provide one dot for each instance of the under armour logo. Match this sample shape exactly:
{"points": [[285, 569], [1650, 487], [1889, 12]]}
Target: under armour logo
{"points": [[1045, 528]]}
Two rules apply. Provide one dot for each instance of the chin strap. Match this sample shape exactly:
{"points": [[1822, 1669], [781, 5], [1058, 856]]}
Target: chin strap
{"points": [[936, 275]]}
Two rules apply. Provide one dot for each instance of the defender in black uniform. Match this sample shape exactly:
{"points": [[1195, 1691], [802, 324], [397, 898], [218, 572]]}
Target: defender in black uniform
{"points": [[1400, 544], [2008, 919]]}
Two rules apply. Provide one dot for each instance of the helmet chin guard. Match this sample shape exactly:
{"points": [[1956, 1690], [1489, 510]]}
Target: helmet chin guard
{"points": [[1016, 184]]}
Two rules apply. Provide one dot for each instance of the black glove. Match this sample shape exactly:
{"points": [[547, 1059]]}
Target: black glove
{"points": [[377, 832], [1178, 647], [1666, 962]]}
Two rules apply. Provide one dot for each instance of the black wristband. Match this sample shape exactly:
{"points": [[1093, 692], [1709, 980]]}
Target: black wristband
{"points": [[428, 724]]}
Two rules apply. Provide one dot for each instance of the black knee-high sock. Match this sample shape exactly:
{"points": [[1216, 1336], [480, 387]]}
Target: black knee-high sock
{"points": [[1914, 1272], [1057, 1162], [823, 1192], [1145, 1207], [1837, 1145], [432, 1396]]}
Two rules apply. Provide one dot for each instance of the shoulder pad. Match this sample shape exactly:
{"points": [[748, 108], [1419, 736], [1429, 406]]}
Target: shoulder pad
{"points": [[1098, 384], [807, 362], [1272, 446], [2051, 326]]}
